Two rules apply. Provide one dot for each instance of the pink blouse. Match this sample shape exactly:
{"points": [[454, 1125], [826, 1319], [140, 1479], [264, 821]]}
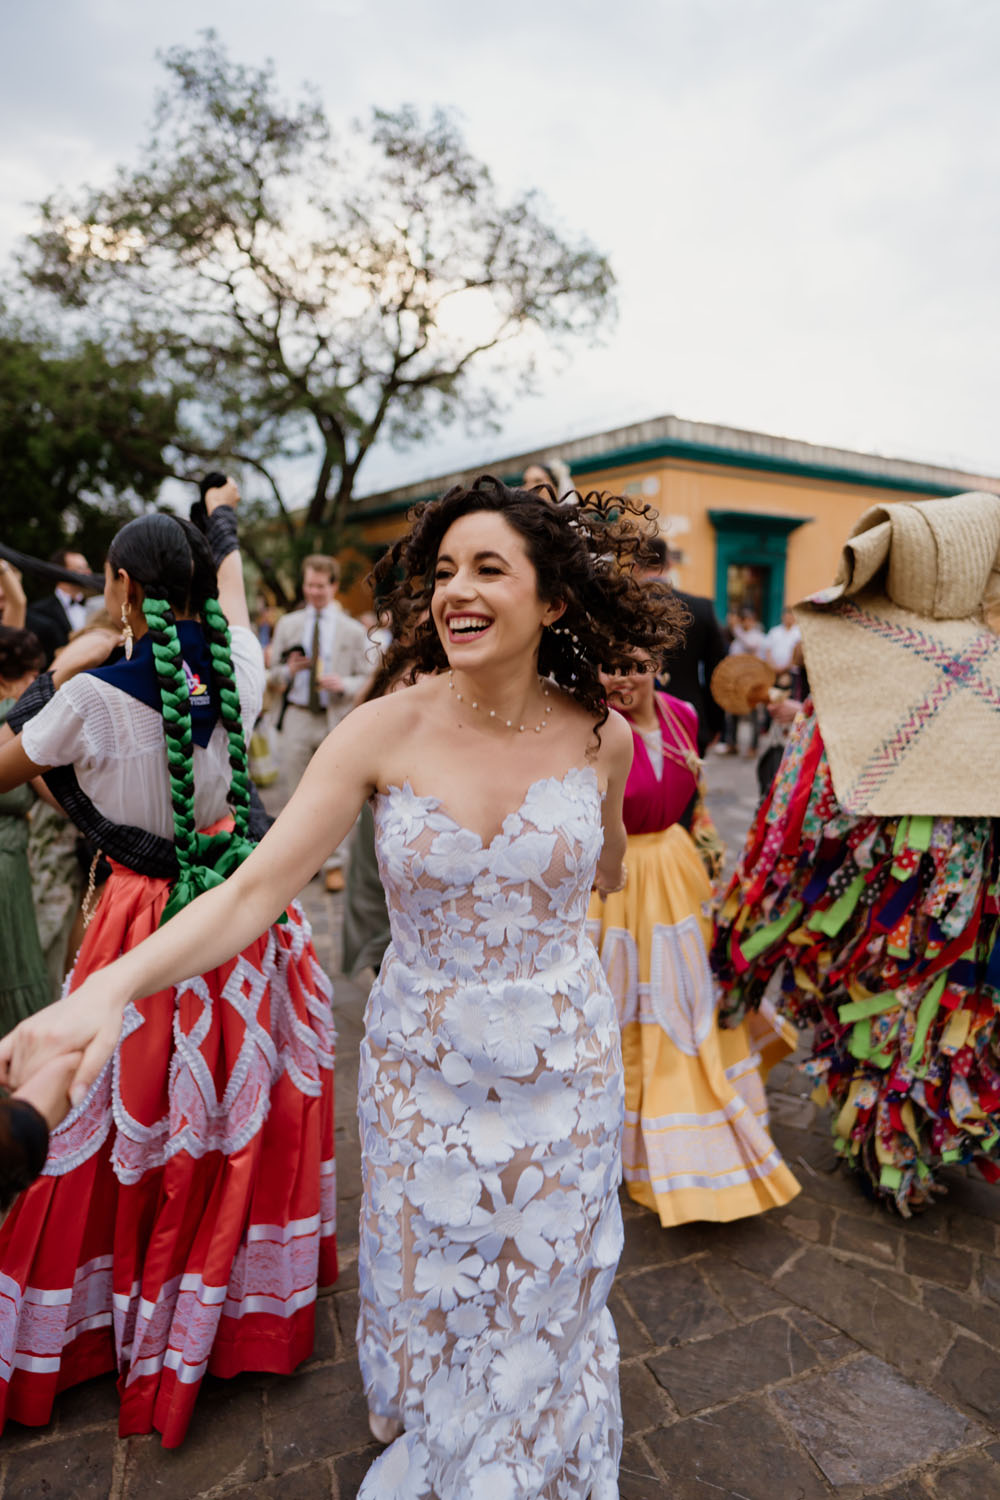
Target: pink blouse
{"points": [[653, 803]]}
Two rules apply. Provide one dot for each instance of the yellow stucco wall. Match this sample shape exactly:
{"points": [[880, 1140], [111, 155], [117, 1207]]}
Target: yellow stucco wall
{"points": [[684, 492]]}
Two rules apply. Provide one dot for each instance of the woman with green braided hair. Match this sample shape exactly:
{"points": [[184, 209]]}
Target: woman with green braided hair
{"points": [[185, 1213]]}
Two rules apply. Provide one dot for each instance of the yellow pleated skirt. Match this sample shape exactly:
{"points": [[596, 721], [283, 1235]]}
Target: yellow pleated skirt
{"points": [[696, 1140]]}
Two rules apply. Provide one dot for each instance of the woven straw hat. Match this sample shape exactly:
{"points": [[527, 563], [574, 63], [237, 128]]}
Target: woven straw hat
{"points": [[904, 673], [740, 682]]}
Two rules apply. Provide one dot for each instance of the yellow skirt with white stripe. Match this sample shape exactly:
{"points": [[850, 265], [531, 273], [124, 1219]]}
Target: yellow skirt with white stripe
{"points": [[696, 1127]]}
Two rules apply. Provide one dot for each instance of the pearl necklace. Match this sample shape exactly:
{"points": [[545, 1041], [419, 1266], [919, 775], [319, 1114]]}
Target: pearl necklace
{"points": [[493, 713]]}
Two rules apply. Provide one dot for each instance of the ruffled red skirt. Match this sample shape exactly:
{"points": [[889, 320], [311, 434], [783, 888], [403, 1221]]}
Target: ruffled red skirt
{"points": [[186, 1214]]}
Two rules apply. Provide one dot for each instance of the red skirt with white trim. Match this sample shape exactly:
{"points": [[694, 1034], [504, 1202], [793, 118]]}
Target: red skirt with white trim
{"points": [[185, 1216]]}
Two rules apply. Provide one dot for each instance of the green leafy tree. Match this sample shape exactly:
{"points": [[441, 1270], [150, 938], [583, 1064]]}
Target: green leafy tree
{"points": [[318, 295], [83, 441]]}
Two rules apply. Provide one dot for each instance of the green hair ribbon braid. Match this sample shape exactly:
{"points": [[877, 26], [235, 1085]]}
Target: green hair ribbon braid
{"points": [[204, 859]]}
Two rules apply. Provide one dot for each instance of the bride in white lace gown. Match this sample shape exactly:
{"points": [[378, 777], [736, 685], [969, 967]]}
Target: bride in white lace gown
{"points": [[491, 1088], [492, 1099]]}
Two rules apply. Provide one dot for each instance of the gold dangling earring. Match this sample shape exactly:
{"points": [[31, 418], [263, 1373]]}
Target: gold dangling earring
{"points": [[127, 632]]}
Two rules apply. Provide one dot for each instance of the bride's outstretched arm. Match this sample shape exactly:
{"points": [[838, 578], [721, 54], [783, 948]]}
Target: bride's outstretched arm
{"points": [[222, 922]]}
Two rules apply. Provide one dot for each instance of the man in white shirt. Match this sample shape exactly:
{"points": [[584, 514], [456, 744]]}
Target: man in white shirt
{"points": [[748, 640], [319, 663], [748, 637], [782, 640]]}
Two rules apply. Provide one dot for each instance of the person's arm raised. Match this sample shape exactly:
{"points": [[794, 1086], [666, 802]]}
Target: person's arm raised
{"points": [[15, 608], [222, 922], [232, 588]]}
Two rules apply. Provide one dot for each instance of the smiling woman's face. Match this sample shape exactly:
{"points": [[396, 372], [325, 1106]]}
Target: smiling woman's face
{"points": [[631, 692], [485, 605]]}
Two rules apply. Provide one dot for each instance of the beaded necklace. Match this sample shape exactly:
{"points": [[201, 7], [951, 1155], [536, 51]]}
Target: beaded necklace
{"points": [[493, 713]]}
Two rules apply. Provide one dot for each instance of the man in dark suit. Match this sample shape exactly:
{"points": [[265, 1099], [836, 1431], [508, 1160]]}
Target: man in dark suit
{"points": [[54, 618], [688, 667]]}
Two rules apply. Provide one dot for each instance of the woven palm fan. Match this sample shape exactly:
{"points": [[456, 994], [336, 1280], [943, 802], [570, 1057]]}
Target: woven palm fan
{"points": [[741, 682]]}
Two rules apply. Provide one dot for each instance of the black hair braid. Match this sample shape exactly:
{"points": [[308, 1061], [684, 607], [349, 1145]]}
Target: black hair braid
{"points": [[175, 704], [168, 555]]}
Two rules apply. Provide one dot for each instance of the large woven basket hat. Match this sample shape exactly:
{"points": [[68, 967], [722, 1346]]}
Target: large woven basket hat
{"points": [[905, 674]]}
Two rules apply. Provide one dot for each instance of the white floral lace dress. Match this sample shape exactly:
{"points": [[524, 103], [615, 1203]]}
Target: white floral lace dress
{"points": [[491, 1106]]}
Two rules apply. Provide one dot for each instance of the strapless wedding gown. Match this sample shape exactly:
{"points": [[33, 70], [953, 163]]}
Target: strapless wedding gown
{"points": [[491, 1106]]}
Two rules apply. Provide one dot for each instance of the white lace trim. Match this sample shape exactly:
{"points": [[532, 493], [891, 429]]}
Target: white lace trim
{"points": [[177, 1330], [680, 995], [211, 1123]]}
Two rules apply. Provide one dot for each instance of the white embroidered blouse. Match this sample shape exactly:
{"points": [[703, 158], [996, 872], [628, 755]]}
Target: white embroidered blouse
{"points": [[116, 745]]}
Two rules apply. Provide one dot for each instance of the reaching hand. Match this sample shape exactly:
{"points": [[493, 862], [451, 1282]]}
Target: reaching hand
{"points": [[784, 712], [87, 1021], [606, 885], [223, 494], [11, 587]]}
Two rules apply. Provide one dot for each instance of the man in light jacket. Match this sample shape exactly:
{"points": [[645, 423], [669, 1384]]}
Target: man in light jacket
{"points": [[319, 663]]}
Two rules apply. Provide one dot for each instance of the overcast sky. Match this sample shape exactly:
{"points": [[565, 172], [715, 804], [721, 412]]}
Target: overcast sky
{"points": [[799, 197]]}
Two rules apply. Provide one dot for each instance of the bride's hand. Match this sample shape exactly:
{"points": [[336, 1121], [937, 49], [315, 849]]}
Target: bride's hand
{"points": [[606, 885], [88, 1021]]}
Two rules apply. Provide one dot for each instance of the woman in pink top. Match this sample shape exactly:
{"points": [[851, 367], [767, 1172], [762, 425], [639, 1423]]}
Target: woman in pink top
{"points": [[696, 1139]]}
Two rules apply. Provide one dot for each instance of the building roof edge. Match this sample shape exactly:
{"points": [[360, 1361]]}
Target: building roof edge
{"points": [[702, 442]]}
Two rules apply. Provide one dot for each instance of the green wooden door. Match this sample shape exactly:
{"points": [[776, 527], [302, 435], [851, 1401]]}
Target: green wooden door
{"points": [[744, 539]]}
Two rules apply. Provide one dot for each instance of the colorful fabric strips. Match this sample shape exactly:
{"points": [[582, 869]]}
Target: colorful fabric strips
{"points": [[885, 936]]}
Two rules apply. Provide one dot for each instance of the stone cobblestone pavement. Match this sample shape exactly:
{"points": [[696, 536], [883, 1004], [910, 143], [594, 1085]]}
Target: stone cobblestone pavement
{"points": [[824, 1349]]}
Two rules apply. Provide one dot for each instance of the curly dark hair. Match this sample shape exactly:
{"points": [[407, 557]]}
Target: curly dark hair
{"points": [[587, 553], [20, 652]]}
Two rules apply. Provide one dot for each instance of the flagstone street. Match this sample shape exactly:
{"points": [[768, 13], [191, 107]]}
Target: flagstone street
{"points": [[824, 1349]]}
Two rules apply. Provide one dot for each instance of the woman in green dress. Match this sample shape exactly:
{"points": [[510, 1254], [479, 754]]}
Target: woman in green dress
{"points": [[24, 986]]}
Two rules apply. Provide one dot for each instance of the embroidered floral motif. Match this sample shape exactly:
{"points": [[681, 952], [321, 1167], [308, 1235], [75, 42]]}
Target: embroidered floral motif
{"points": [[491, 1102]]}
